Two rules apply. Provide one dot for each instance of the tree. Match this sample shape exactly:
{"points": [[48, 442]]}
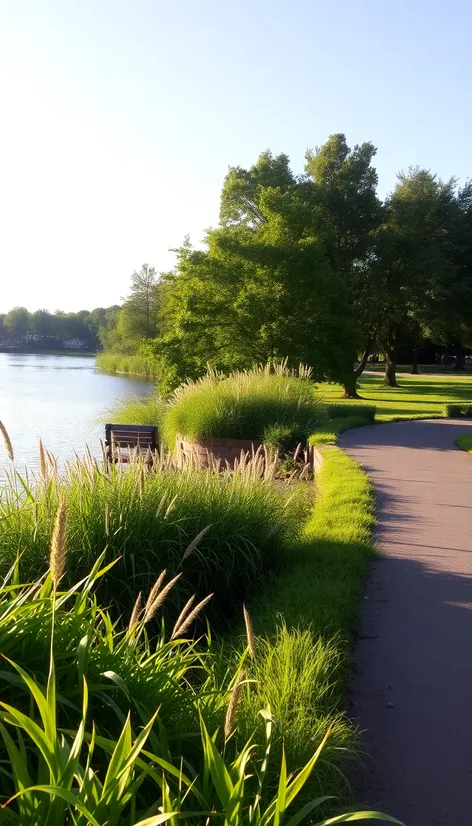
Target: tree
{"points": [[258, 293], [416, 266], [243, 188], [42, 323], [140, 309], [17, 322], [348, 214]]}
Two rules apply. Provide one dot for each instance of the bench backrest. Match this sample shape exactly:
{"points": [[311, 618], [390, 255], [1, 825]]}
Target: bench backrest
{"points": [[141, 436]]}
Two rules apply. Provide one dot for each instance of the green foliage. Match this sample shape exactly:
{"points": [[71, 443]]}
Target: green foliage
{"points": [[141, 364], [419, 397], [242, 405], [97, 769], [263, 289], [465, 442], [55, 780], [136, 410], [294, 671], [301, 666], [338, 411], [17, 321], [126, 672], [150, 519], [284, 437], [458, 411], [328, 434]]}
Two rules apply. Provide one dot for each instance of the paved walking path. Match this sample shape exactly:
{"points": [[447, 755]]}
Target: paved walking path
{"points": [[412, 693]]}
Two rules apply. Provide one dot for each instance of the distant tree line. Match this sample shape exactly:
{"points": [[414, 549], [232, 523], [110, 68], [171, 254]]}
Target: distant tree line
{"points": [[315, 268], [91, 326]]}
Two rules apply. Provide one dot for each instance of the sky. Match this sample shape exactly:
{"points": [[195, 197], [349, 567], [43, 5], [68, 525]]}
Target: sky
{"points": [[120, 118]]}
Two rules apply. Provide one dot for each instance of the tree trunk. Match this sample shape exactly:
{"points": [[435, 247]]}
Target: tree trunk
{"points": [[460, 358], [350, 388], [390, 378], [350, 384], [414, 366]]}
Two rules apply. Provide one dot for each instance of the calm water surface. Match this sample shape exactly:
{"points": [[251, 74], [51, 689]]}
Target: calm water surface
{"points": [[63, 400]]}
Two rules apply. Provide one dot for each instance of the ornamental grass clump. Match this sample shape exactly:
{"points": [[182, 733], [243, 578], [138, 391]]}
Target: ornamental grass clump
{"points": [[244, 405], [80, 745], [220, 532]]}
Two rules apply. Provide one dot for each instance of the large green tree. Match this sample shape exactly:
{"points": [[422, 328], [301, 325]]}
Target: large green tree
{"points": [[17, 322], [347, 215], [416, 269], [140, 309], [258, 292]]}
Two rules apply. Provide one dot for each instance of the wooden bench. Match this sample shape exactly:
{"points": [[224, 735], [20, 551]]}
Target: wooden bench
{"points": [[126, 441]]}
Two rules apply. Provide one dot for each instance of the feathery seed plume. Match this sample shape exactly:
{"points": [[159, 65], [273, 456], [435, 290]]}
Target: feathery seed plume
{"points": [[7, 442], [153, 593], [57, 555], [180, 629], [183, 614], [160, 598], [251, 640], [134, 619], [233, 705], [43, 462], [195, 542]]}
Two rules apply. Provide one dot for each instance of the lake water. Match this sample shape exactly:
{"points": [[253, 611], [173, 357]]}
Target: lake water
{"points": [[64, 400]]}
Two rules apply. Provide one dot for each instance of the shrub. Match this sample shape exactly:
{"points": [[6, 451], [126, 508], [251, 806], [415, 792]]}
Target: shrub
{"points": [[453, 411], [458, 411], [465, 442], [220, 531], [243, 405], [348, 410], [284, 437]]}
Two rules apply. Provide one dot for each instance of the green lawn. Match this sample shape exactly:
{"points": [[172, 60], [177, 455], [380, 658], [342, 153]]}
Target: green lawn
{"points": [[417, 397]]}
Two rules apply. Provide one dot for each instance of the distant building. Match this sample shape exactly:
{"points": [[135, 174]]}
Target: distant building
{"points": [[76, 344]]}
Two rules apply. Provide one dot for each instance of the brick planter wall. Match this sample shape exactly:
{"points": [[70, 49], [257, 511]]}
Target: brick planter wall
{"points": [[225, 450]]}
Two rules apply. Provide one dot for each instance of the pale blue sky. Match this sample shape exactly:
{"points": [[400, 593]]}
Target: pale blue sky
{"points": [[120, 118]]}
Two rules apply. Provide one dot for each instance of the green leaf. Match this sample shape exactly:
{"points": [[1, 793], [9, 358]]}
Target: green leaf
{"points": [[366, 815], [305, 810], [63, 794], [218, 771], [112, 675]]}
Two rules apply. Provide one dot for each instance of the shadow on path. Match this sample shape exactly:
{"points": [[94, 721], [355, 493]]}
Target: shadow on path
{"points": [[411, 691]]}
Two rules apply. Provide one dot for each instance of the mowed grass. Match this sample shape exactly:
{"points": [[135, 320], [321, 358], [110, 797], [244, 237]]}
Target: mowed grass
{"points": [[417, 397]]}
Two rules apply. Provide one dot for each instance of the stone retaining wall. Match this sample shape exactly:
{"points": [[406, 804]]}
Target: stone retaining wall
{"points": [[224, 450]]}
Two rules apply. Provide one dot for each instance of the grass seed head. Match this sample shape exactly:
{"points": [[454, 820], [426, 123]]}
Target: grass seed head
{"points": [[251, 640], [134, 619], [180, 629], [160, 599], [7, 442], [154, 593], [57, 556], [233, 705], [195, 542]]}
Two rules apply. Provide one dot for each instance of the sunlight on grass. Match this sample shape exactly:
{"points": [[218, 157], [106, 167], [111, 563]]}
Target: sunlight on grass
{"points": [[417, 397]]}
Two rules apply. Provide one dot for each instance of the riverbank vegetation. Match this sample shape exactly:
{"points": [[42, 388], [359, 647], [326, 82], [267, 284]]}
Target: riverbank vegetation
{"points": [[314, 268], [297, 561]]}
